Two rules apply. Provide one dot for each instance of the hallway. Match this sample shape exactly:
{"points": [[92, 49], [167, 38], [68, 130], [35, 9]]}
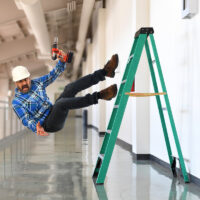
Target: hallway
{"points": [[60, 167]]}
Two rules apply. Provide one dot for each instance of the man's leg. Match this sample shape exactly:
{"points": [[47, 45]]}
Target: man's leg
{"points": [[83, 83], [89, 80], [56, 119]]}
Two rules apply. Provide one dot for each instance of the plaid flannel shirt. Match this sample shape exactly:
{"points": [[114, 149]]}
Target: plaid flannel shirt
{"points": [[34, 106]]}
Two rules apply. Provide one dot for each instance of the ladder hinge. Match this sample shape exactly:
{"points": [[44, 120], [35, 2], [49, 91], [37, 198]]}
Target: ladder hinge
{"points": [[144, 30], [116, 106]]}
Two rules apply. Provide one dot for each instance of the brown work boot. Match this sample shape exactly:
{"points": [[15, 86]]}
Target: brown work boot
{"points": [[108, 93], [111, 65]]}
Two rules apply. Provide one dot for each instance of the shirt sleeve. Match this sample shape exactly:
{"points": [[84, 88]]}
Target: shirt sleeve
{"points": [[26, 119], [53, 74]]}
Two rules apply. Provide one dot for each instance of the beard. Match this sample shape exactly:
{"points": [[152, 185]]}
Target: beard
{"points": [[24, 89]]}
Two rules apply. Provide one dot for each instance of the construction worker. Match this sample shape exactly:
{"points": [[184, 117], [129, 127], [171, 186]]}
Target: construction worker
{"points": [[33, 107]]}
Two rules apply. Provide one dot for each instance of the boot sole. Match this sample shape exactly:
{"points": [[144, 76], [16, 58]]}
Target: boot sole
{"points": [[113, 72], [117, 58], [115, 92]]}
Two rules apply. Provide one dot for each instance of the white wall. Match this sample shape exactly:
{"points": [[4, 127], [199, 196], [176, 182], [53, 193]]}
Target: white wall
{"points": [[120, 21], [120, 30], [87, 69], [178, 44], [56, 87], [141, 139]]}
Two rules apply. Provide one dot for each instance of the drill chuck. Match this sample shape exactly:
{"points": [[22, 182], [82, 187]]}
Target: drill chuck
{"points": [[55, 45]]}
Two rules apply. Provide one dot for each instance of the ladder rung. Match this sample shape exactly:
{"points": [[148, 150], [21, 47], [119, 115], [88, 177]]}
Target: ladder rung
{"points": [[164, 108], [124, 81], [101, 156], [153, 61], [130, 58], [108, 131], [116, 106], [186, 159]]}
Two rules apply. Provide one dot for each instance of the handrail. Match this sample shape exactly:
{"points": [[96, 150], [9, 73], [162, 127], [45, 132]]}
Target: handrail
{"points": [[10, 122], [6, 102]]}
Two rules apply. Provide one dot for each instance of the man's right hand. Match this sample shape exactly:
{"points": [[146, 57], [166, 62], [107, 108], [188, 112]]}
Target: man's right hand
{"points": [[65, 57], [40, 130]]}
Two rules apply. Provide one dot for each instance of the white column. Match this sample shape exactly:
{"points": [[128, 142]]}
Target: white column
{"points": [[141, 137], [87, 69], [101, 62], [4, 82]]}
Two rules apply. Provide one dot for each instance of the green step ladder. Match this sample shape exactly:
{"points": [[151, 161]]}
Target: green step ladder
{"points": [[104, 157]]}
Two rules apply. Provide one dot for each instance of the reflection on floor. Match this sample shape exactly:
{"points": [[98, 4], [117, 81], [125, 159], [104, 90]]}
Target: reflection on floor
{"points": [[59, 167]]}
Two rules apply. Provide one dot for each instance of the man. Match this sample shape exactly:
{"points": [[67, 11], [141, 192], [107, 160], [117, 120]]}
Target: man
{"points": [[33, 107]]}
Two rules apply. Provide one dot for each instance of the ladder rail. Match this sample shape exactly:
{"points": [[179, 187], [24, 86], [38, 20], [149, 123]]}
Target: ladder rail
{"points": [[162, 118], [107, 135], [120, 112], [171, 118]]}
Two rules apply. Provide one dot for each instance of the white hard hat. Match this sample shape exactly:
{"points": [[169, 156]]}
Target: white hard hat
{"points": [[20, 73]]}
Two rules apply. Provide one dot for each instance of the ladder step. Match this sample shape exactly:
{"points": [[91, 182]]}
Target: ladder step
{"points": [[124, 81], [130, 58], [116, 106], [186, 159], [108, 131], [101, 156]]}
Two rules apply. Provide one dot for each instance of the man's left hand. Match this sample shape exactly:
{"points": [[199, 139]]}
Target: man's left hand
{"points": [[40, 130]]}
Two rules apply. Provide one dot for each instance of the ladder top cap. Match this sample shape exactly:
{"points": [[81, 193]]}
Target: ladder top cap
{"points": [[144, 30]]}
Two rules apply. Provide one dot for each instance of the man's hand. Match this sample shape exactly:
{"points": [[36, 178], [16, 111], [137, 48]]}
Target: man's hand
{"points": [[61, 57], [65, 57], [40, 130]]}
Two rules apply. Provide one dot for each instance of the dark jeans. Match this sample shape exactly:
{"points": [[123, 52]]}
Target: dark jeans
{"points": [[67, 100]]}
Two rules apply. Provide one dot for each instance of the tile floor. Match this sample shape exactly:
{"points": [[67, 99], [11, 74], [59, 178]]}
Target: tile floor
{"points": [[60, 166]]}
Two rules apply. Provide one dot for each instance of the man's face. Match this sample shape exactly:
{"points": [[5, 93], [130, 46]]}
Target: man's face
{"points": [[24, 85]]}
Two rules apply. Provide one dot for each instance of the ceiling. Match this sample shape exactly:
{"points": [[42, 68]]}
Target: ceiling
{"points": [[18, 42]]}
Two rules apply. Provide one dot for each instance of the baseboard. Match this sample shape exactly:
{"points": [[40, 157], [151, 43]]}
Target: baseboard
{"points": [[102, 134], [124, 145], [194, 179], [159, 161], [93, 127], [128, 147], [78, 116], [140, 156]]}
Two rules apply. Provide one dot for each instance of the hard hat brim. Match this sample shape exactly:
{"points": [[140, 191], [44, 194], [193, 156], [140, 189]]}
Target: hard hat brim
{"points": [[21, 78]]}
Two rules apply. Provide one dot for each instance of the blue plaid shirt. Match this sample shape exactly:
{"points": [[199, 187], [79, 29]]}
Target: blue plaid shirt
{"points": [[34, 106]]}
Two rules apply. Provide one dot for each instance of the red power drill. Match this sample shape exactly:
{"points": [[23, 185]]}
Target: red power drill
{"points": [[57, 53]]}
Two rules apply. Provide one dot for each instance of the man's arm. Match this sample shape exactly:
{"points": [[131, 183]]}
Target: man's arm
{"points": [[52, 75], [26, 119]]}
